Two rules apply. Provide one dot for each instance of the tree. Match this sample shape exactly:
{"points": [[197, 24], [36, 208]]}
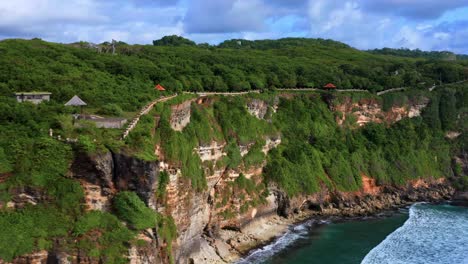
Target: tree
{"points": [[431, 114], [130, 208], [173, 40], [447, 109]]}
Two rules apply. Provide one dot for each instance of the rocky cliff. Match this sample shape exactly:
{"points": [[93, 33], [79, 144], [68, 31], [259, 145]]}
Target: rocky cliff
{"points": [[371, 110], [180, 115], [237, 209]]}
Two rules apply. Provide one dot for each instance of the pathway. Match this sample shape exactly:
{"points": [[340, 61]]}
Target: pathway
{"points": [[391, 90], [145, 110], [430, 88], [435, 86], [150, 106], [225, 93], [317, 89]]}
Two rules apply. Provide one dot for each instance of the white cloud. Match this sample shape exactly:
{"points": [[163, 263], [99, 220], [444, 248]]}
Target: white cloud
{"points": [[50, 11], [441, 35], [95, 21], [227, 16], [360, 23]]}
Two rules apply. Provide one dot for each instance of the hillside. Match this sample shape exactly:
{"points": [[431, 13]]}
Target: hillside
{"points": [[433, 55], [126, 79], [197, 170]]}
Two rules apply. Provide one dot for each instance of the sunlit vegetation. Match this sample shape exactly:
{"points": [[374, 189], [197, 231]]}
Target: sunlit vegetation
{"points": [[315, 153]]}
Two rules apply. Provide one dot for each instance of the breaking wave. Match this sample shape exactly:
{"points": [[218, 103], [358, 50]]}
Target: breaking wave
{"points": [[292, 235], [432, 234]]}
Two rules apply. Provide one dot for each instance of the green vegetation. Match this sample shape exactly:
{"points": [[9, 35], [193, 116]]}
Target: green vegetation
{"points": [[315, 153], [173, 41], [255, 156], [417, 53], [179, 147], [162, 184], [237, 123], [140, 141], [102, 236], [126, 80], [30, 230], [130, 208]]}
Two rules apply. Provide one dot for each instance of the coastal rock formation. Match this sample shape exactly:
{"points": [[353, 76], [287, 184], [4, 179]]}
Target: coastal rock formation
{"points": [[211, 152], [225, 219], [180, 115], [371, 110], [199, 216], [257, 108]]}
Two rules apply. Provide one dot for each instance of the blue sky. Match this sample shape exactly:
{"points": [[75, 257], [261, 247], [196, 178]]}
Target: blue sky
{"points": [[364, 24]]}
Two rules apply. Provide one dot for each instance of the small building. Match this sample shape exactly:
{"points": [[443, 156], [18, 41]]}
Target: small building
{"points": [[75, 101], [159, 87], [329, 86], [33, 97]]}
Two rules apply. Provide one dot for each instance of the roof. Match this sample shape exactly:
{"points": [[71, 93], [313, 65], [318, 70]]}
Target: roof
{"points": [[32, 93], [329, 85], [75, 101], [159, 87]]}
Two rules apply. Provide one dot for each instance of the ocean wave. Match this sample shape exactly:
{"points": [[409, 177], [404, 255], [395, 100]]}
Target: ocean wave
{"points": [[293, 234], [432, 234]]}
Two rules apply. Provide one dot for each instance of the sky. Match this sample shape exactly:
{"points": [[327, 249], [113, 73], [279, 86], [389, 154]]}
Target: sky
{"points": [[364, 24]]}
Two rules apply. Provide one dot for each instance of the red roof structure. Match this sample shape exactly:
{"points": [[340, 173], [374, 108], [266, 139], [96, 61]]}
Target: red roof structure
{"points": [[330, 86], [159, 87]]}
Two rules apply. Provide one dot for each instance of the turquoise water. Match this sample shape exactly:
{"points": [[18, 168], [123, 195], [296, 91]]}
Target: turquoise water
{"points": [[432, 234], [417, 236]]}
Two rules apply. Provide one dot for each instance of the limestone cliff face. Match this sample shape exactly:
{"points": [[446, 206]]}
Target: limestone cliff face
{"points": [[204, 213], [257, 108], [370, 110], [96, 177], [132, 174], [102, 176], [213, 223], [180, 115]]}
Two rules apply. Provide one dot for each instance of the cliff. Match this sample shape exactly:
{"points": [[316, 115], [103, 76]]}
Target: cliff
{"points": [[371, 110], [233, 173]]}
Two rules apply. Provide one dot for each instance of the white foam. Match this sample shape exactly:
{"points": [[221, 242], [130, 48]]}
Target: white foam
{"points": [[262, 254], [432, 234]]}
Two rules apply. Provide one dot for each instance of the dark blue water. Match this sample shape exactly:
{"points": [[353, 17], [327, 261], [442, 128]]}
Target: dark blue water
{"points": [[416, 236]]}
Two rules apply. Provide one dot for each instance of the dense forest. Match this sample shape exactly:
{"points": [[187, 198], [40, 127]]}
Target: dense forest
{"points": [[126, 79], [315, 150], [417, 53]]}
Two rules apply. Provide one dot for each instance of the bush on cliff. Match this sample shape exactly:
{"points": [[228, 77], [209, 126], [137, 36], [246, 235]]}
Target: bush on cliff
{"points": [[316, 152], [31, 229], [101, 235], [130, 208]]}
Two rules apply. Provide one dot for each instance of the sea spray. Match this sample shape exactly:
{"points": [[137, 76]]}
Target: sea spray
{"points": [[294, 233], [432, 234]]}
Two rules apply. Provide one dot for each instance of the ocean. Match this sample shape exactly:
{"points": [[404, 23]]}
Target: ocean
{"points": [[424, 234]]}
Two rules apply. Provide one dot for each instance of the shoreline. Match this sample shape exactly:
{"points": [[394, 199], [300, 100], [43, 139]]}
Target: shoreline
{"points": [[319, 219], [230, 246], [267, 230]]}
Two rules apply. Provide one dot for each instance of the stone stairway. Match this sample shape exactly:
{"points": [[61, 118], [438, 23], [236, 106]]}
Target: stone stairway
{"points": [[145, 110]]}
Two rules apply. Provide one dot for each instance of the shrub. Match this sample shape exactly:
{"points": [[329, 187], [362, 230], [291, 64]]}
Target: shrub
{"points": [[111, 110], [130, 208]]}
